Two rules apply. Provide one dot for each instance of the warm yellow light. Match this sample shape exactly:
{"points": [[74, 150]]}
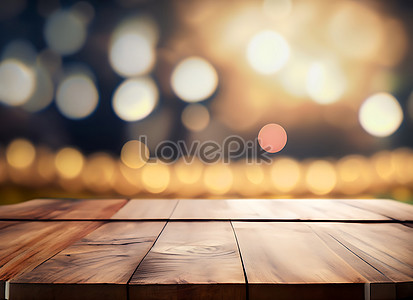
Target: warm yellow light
{"points": [[277, 9], [69, 162], [402, 160], [45, 164], [3, 170], [402, 193], [98, 172], [155, 177], [134, 154], [325, 83], [189, 169], [132, 176], [142, 25], [121, 184], [195, 117], [17, 82], [194, 79], [354, 174], [394, 44], [20, 153], [285, 174], [254, 174], [293, 76], [218, 179], [320, 177], [135, 99], [249, 180], [383, 165], [77, 97], [268, 52], [355, 30], [380, 115]]}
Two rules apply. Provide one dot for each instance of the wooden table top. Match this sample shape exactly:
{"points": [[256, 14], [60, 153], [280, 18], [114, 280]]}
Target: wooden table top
{"points": [[206, 249]]}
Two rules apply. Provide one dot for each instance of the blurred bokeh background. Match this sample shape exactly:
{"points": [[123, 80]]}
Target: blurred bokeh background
{"points": [[81, 81]]}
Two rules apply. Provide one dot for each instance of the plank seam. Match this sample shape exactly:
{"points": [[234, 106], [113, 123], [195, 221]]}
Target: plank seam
{"points": [[242, 262], [359, 257], [173, 210], [372, 211], [137, 267], [407, 224], [127, 201], [367, 284]]}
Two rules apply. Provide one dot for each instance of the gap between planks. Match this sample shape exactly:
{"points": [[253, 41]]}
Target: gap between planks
{"points": [[242, 263], [153, 244]]}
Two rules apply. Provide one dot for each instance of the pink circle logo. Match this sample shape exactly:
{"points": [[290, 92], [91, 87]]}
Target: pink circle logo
{"points": [[272, 138]]}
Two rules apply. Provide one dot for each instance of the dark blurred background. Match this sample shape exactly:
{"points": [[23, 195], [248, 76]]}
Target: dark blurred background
{"points": [[81, 81]]}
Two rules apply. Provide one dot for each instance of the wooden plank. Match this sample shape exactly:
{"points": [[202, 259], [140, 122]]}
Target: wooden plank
{"points": [[4, 224], [386, 247], [225, 209], [328, 209], [271, 209], [233, 209], [191, 260], [146, 209], [27, 244], [96, 267], [289, 260], [392, 209], [33, 209], [379, 286], [55, 209]]}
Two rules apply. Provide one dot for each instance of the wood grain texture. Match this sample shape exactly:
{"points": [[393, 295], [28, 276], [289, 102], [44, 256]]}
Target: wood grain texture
{"points": [[225, 209], [146, 209], [326, 209], [105, 258], [191, 258], [55, 209], [379, 286], [271, 209], [50, 250], [289, 260], [392, 209], [5, 224], [25, 245], [386, 247]]}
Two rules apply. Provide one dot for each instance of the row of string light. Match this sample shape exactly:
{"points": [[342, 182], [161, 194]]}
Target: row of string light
{"points": [[385, 173], [32, 81]]}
